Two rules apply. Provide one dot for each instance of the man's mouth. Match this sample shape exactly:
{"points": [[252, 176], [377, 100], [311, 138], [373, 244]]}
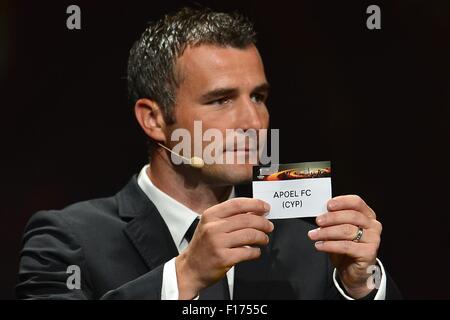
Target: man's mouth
{"points": [[248, 147], [243, 150]]}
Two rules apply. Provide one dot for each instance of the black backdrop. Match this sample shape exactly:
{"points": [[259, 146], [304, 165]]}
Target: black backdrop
{"points": [[374, 102]]}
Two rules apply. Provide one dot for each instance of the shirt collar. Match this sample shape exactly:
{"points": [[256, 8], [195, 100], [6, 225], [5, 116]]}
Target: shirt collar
{"points": [[177, 216]]}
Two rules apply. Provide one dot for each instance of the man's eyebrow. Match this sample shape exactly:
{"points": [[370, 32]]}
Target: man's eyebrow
{"points": [[262, 88], [223, 92], [218, 93]]}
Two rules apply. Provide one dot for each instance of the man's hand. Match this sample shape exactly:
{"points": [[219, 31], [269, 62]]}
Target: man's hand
{"points": [[337, 230], [225, 235]]}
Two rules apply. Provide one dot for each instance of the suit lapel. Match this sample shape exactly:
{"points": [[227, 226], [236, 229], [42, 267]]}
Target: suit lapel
{"points": [[150, 236], [147, 230]]}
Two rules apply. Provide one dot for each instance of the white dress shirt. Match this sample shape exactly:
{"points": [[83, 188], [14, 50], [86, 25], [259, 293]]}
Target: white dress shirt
{"points": [[179, 218]]}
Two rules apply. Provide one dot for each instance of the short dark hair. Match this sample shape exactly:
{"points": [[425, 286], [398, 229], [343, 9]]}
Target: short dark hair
{"points": [[151, 64]]}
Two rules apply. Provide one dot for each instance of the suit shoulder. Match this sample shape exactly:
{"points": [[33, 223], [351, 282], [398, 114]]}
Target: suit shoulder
{"points": [[77, 215], [102, 207]]}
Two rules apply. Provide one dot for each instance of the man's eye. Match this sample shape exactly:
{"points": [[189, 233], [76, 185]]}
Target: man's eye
{"points": [[259, 98], [221, 101]]}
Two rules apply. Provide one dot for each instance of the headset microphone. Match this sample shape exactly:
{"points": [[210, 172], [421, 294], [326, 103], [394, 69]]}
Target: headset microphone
{"points": [[194, 162]]}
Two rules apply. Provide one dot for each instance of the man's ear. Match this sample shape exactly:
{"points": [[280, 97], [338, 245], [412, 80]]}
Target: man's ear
{"points": [[151, 120]]}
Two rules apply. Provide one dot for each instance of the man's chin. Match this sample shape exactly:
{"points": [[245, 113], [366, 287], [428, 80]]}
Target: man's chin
{"points": [[232, 174]]}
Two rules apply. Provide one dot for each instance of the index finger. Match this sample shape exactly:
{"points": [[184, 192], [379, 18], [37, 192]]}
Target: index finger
{"points": [[236, 206], [351, 202]]}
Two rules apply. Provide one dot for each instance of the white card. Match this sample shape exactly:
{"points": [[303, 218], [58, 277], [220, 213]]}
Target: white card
{"points": [[296, 190]]}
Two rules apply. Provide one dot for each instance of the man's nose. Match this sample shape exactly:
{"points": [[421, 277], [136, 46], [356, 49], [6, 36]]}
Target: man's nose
{"points": [[250, 115]]}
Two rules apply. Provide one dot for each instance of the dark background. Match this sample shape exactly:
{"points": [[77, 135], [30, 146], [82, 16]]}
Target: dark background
{"points": [[376, 103]]}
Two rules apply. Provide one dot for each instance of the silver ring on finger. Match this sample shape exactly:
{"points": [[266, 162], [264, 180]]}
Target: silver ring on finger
{"points": [[358, 235]]}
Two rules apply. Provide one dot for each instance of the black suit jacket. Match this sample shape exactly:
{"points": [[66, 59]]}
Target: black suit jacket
{"points": [[121, 244]]}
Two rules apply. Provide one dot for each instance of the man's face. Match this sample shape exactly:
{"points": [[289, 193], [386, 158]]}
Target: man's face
{"points": [[225, 88]]}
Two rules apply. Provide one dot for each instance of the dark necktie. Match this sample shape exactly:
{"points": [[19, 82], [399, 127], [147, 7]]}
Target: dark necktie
{"points": [[217, 291]]}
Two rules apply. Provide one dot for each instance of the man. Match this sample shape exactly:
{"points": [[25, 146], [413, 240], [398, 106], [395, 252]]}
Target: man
{"points": [[143, 243]]}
